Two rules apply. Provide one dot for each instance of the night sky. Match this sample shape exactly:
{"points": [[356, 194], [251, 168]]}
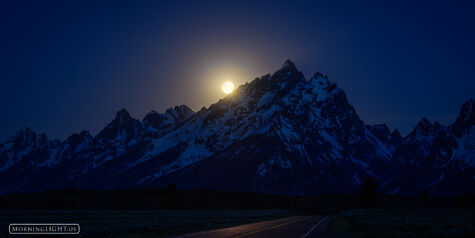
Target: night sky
{"points": [[70, 65]]}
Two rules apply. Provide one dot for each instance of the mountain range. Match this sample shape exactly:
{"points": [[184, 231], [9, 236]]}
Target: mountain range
{"points": [[280, 133]]}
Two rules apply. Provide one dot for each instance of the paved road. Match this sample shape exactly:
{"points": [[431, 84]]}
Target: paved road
{"points": [[297, 226]]}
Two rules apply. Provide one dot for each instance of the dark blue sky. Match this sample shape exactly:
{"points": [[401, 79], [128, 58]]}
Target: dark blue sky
{"points": [[70, 65]]}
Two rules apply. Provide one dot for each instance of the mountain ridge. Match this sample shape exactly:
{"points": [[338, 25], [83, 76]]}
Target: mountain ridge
{"points": [[279, 133]]}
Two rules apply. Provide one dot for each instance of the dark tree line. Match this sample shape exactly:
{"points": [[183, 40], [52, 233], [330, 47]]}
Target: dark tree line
{"points": [[172, 198], [369, 192]]}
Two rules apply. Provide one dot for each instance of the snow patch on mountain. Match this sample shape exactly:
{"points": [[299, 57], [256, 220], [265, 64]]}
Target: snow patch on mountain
{"points": [[294, 128], [465, 150]]}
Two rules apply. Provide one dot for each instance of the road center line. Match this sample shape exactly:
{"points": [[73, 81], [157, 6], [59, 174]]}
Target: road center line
{"points": [[272, 227], [311, 229]]}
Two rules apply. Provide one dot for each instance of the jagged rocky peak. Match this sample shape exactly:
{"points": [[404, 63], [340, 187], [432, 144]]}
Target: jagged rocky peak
{"points": [[424, 124], [320, 75], [467, 112], [77, 139], [279, 83], [287, 69], [425, 127], [321, 80], [27, 136], [169, 119], [24, 132], [287, 76], [151, 116], [321, 86], [284, 133], [466, 118], [289, 65], [154, 120], [382, 132], [122, 119], [180, 113], [122, 116], [123, 128], [24, 143]]}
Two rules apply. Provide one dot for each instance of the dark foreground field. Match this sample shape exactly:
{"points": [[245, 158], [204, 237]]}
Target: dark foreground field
{"points": [[449, 222], [439, 222], [139, 223], [169, 212]]}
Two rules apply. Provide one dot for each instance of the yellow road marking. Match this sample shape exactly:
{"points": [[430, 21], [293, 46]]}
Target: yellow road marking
{"points": [[272, 227]]}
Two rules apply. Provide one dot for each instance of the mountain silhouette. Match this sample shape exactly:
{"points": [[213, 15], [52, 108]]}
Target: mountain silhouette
{"points": [[278, 134]]}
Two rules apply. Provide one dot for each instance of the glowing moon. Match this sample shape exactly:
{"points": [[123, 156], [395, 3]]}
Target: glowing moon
{"points": [[227, 87]]}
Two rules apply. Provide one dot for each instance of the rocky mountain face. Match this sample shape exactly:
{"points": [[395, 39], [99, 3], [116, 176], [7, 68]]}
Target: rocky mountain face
{"points": [[279, 133], [438, 158]]}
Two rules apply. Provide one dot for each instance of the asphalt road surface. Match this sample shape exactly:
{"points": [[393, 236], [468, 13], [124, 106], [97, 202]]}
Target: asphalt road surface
{"points": [[296, 226]]}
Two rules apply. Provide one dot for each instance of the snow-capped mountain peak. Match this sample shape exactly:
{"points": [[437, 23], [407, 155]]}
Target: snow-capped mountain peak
{"points": [[279, 133], [466, 118], [160, 123], [121, 130], [180, 113], [122, 117]]}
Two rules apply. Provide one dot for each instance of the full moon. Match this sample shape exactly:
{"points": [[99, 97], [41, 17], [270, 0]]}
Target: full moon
{"points": [[227, 87]]}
